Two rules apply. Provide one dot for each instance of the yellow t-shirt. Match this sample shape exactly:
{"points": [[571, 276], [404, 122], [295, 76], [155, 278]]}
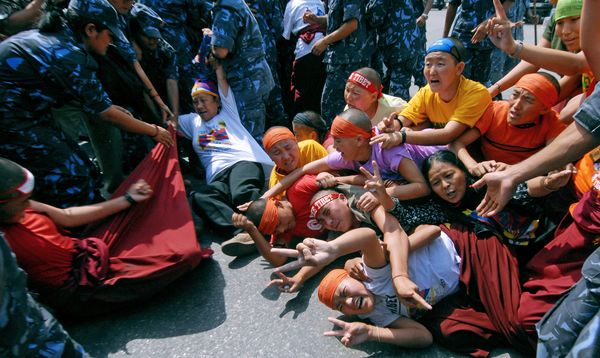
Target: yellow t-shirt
{"points": [[310, 151], [386, 105], [467, 106]]}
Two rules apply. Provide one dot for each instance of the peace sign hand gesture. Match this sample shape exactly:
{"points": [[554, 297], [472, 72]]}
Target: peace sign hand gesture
{"points": [[499, 30], [310, 252], [352, 332]]}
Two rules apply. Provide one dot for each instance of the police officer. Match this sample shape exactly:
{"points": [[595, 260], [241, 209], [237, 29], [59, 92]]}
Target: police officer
{"points": [[397, 36], [43, 68], [237, 43], [156, 56], [347, 47], [269, 16], [178, 15], [472, 14]]}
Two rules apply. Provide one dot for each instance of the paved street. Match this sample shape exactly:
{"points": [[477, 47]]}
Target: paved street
{"points": [[223, 309]]}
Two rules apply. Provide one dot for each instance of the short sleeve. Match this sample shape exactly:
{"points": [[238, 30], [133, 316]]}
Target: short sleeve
{"points": [[225, 29], [336, 162], [186, 125], [484, 123], [588, 115], [472, 104], [415, 110], [353, 9], [555, 126], [311, 150]]}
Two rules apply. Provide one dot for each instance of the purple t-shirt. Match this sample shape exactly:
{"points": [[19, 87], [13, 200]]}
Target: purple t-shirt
{"points": [[387, 159]]}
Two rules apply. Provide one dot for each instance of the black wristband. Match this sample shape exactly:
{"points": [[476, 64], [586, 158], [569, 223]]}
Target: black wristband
{"points": [[403, 137], [129, 198], [400, 122]]}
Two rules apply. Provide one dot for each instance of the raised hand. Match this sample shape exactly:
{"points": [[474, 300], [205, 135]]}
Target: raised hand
{"points": [[351, 332], [488, 166], [387, 125], [285, 284], [499, 30], [374, 181]]}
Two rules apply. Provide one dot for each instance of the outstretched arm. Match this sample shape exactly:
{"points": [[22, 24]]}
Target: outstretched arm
{"points": [[83, 215], [402, 332]]}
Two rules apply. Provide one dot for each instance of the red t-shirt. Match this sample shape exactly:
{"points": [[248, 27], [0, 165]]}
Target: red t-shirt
{"points": [[299, 195], [42, 251], [506, 143]]}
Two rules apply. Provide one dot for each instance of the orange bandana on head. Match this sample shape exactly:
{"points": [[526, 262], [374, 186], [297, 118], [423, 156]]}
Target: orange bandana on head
{"points": [[329, 284], [343, 128], [275, 135], [270, 218], [541, 87], [360, 80]]}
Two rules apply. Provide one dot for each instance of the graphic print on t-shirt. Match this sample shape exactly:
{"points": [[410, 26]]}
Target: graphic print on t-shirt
{"points": [[216, 135]]}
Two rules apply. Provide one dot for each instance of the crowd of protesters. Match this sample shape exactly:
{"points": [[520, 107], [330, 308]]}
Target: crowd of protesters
{"points": [[473, 219]]}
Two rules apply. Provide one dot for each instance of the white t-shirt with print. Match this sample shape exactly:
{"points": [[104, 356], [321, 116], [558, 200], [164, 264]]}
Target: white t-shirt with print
{"points": [[435, 268], [293, 23], [222, 141]]}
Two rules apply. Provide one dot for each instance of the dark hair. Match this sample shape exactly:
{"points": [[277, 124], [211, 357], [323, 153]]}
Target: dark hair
{"points": [[472, 196], [55, 18], [312, 120], [256, 210]]}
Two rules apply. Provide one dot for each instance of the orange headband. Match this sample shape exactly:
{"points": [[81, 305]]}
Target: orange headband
{"points": [[270, 218], [343, 128], [359, 79], [540, 87], [275, 135], [329, 284]]}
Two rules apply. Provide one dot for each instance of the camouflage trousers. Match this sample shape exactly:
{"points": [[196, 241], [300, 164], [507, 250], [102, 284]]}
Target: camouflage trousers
{"points": [[64, 174], [332, 100], [572, 327], [252, 113], [400, 69], [275, 113], [26, 328], [477, 64]]}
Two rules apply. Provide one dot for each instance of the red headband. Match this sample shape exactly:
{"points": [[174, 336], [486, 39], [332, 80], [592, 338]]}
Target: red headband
{"points": [[315, 208], [275, 135], [541, 87], [343, 128], [359, 79], [270, 218]]}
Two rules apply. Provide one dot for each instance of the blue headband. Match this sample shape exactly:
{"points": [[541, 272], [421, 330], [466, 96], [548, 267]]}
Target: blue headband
{"points": [[445, 45]]}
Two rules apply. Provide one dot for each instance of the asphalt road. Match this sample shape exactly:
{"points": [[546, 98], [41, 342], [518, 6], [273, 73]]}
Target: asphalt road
{"points": [[223, 309]]}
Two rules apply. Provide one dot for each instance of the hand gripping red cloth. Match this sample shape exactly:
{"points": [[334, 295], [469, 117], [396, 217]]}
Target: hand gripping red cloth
{"points": [[153, 242]]}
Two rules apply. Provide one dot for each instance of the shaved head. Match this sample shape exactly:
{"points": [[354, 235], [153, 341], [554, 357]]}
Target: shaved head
{"points": [[371, 75], [358, 118]]}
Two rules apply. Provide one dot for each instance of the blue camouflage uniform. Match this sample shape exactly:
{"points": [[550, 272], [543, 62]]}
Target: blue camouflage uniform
{"points": [[501, 63], [477, 56], [269, 16], [572, 327], [247, 70], [420, 46], [39, 71], [177, 14], [345, 56], [397, 34], [26, 328]]}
